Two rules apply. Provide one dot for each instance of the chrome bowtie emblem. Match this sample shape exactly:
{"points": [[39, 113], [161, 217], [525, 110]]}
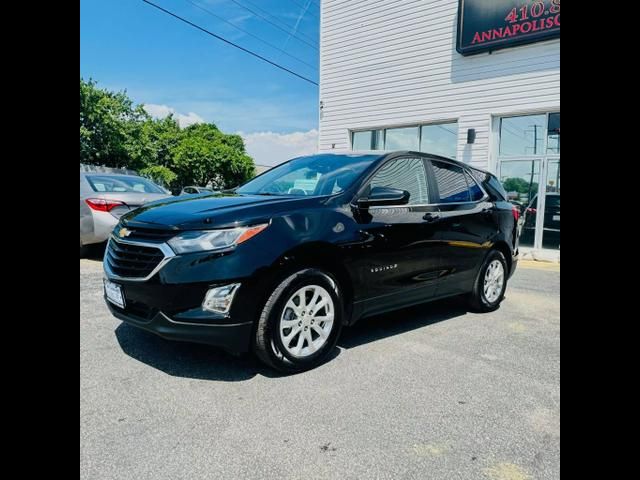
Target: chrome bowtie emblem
{"points": [[124, 232]]}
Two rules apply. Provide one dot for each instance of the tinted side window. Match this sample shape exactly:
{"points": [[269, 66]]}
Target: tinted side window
{"points": [[497, 186], [474, 190], [452, 184], [406, 174], [490, 183]]}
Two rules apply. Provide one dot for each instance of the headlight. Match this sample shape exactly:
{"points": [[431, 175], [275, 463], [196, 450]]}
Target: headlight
{"points": [[206, 240]]}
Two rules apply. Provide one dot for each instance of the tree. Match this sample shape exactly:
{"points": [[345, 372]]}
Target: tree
{"points": [[158, 138], [520, 185], [159, 174], [109, 127], [204, 155], [116, 133]]}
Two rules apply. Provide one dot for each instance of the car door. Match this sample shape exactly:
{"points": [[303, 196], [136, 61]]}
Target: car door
{"points": [[465, 225], [397, 262]]}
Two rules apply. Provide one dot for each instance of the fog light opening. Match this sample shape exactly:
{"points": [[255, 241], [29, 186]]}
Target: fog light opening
{"points": [[219, 299]]}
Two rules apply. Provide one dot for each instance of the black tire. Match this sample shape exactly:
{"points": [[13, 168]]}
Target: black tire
{"points": [[84, 250], [477, 299], [268, 345]]}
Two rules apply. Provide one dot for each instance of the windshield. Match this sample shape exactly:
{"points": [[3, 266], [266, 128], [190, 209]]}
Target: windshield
{"points": [[122, 183], [310, 176]]}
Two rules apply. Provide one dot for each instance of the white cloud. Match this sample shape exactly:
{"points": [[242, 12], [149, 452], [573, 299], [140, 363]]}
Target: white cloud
{"points": [[161, 111], [269, 148]]}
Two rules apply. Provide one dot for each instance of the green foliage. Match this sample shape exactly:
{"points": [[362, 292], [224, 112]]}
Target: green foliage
{"points": [[159, 174], [116, 133], [109, 127], [520, 185], [158, 139], [204, 156]]}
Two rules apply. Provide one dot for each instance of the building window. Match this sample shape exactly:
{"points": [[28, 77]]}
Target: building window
{"points": [[368, 140], [553, 133], [438, 139], [522, 136], [407, 138]]}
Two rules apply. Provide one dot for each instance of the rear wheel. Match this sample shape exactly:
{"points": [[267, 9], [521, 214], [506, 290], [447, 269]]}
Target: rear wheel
{"points": [[491, 283], [300, 322]]}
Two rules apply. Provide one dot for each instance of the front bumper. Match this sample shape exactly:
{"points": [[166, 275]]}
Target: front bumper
{"points": [[232, 337], [168, 301]]}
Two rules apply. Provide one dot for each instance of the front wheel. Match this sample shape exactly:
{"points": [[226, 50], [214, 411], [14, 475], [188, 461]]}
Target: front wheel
{"points": [[491, 283], [300, 322]]}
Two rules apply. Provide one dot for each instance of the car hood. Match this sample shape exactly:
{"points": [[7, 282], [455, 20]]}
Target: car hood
{"points": [[211, 210]]}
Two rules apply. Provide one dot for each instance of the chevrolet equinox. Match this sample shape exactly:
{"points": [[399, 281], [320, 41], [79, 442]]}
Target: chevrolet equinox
{"points": [[279, 265]]}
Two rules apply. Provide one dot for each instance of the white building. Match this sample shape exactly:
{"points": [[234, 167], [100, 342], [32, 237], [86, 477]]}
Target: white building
{"points": [[391, 78]]}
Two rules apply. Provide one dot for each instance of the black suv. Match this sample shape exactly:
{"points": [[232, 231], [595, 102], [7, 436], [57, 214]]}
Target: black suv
{"points": [[280, 264]]}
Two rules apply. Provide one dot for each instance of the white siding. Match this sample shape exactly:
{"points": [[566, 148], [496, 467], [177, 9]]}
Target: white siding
{"points": [[386, 63]]}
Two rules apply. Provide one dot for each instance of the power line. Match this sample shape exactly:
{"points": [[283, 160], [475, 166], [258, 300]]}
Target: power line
{"points": [[297, 24], [285, 30], [249, 33], [229, 42], [303, 6], [278, 20]]}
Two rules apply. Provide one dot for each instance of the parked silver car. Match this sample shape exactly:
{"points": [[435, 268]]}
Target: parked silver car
{"points": [[105, 197], [193, 189]]}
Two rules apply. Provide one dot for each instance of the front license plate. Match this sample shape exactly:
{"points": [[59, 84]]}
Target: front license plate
{"points": [[113, 291]]}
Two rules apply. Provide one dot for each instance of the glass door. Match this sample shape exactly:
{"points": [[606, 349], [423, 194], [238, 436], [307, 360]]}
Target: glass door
{"points": [[551, 207], [529, 169], [521, 178]]}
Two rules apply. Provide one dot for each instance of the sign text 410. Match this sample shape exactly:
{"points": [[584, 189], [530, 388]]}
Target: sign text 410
{"points": [[533, 10]]}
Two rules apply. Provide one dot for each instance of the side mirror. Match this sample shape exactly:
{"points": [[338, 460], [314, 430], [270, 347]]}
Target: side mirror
{"points": [[382, 196]]}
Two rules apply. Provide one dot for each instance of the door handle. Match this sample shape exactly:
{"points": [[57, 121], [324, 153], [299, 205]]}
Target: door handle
{"points": [[431, 217], [487, 210]]}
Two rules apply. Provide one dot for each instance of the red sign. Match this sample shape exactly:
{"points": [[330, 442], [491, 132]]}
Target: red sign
{"points": [[491, 24]]}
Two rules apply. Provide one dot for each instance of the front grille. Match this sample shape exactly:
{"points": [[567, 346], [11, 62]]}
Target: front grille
{"points": [[134, 261], [150, 234]]}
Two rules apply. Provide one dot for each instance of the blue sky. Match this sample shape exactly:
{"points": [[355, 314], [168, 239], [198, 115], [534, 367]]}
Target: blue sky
{"points": [[170, 66]]}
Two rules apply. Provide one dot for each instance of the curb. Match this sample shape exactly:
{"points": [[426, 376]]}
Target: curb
{"points": [[539, 265]]}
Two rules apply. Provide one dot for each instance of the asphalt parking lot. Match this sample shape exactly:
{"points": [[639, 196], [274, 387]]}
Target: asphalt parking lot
{"points": [[431, 392]]}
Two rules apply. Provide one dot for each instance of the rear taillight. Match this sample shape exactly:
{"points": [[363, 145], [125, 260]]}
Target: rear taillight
{"points": [[102, 205], [516, 213]]}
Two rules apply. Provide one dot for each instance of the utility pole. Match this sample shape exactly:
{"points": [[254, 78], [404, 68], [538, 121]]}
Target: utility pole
{"points": [[535, 138], [535, 152]]}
